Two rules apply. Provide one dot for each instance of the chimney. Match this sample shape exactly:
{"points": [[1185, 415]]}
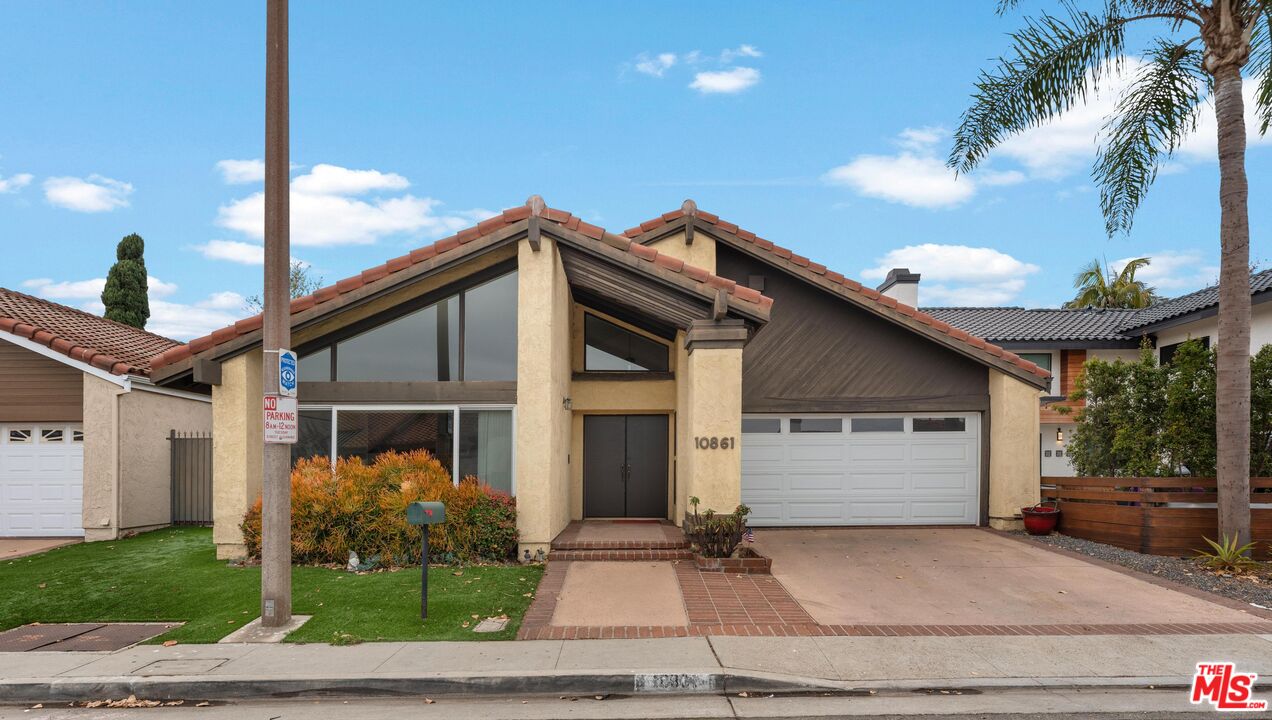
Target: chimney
{"points": [[901, 285]]}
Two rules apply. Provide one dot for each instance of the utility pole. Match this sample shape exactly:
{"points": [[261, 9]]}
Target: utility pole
{"points": [[276, 607]]}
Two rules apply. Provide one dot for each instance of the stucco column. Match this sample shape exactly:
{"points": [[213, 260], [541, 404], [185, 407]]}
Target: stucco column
{"points": [[236, 450], [543, 387], [100, 511], [1014, 470], [709, 456]]}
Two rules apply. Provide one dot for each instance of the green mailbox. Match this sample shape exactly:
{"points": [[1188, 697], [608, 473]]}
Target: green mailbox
{"points": [[426, 513]]}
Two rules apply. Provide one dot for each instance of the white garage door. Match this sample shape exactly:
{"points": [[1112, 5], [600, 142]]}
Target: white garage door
{"points": [[41, 480], [862, 469]]}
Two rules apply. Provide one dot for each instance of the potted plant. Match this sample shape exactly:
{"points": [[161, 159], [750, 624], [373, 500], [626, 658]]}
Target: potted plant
{"points": [[1041, 519]]}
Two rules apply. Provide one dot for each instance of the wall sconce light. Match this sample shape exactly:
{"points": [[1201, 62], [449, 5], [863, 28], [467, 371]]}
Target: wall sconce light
{"points": [[567, 403], [1059, 435]]}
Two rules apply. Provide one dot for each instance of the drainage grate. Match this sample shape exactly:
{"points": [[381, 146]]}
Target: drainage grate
{"points": [[84, 637]]}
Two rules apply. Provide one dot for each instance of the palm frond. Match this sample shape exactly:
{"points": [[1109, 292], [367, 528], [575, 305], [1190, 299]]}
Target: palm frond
{"points": [[1053, 64], [1259, 66], [1154, 116]]}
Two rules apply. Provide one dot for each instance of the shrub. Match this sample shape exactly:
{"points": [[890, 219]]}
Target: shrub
{"points": [[715, 536], [362, 508]]}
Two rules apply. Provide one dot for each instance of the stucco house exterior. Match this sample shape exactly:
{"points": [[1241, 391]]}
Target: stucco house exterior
{"points": [[83, 431], [1062, 340], [594, 374]]}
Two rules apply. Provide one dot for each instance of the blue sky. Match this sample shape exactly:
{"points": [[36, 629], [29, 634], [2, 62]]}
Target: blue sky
{"points": [[820, 126]]}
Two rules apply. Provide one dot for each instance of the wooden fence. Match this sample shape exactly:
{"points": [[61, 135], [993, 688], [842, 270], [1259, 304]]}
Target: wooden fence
{"points": [[1157, 515], [191, 473]]}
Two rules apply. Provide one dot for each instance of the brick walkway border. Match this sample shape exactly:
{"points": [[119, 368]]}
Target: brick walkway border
{"points": [[633, 632]]}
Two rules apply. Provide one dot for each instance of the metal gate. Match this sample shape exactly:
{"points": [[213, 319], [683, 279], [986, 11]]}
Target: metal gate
{"points": [[191, 477]]}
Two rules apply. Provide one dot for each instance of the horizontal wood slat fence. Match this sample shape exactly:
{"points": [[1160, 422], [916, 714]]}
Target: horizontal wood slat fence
{"points": [[1153, 515]]}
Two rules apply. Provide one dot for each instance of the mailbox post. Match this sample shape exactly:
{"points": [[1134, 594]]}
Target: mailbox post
{"points": [[425, 514]]}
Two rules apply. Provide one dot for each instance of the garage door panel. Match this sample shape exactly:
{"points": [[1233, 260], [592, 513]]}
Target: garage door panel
{"points": [[863, 478], [816, 452], [946, 481], [41, 480], [877, 452], [878, 481]]}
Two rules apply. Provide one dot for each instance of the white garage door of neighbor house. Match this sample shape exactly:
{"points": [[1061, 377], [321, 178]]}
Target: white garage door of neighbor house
{"points": [[41, 480], [921, 469]]}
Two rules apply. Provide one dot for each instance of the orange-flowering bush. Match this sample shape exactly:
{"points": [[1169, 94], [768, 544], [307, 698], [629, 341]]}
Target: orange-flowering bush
{"points": [[362, 508]]}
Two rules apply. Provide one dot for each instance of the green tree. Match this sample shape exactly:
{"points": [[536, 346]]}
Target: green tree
{"points": [[1261, 413], [1188, 423], [125, 295], [299, 281], [1200, 48], [1103, 288]]}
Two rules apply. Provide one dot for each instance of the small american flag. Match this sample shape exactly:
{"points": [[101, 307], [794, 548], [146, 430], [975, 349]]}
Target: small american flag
{"points": [[749, 535]]}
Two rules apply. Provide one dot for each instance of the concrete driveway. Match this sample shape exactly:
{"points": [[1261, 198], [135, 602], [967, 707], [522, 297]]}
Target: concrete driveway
{"points": [[964, 576], [11, 548]]}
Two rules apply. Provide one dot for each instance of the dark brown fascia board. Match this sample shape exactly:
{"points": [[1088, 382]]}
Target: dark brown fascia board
{"points": [[676, 281], [864, 303], [361, 296]]}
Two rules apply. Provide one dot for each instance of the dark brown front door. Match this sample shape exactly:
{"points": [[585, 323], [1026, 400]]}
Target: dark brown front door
{"points": [[625, 466]]}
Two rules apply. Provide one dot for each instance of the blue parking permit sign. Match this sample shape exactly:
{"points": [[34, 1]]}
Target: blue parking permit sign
{"points": [[287, 373]]}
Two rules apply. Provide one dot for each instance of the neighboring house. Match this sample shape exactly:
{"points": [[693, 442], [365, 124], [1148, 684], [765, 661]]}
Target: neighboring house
{"points": [[600, 375], [83, 432], [1063, 340]]}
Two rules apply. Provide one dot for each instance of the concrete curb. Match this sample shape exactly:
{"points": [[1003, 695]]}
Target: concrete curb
{"points": [[200, 688]]}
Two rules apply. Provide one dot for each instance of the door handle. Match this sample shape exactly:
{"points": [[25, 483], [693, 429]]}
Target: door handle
{"points": [[623, 469]]}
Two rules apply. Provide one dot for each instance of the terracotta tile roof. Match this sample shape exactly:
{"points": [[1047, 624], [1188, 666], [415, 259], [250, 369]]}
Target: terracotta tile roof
{"points": [[448, 244], [114, 347], [852, 286]]}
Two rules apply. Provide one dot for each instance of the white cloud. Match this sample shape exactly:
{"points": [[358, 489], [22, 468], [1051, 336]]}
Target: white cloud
{"points": [[224, 300], [92, 288], [92, 194], [958, 274], [654, 65], [14, 183], [233, 250], [915, 176], [324, 213], [1174, 272], [180, 321], [235, 172], [728, 56], [734, 80], [326, 179]]}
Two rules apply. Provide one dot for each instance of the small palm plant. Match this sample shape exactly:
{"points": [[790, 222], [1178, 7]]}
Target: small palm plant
{"points": [[1227, 555]]}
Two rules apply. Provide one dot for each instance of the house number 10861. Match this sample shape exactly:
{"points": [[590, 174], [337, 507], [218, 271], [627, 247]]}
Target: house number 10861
{"points": [[715, 443]]}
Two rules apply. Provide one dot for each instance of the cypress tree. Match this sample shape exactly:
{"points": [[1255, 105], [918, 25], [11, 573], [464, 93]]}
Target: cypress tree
{"points": [[125, 295]]}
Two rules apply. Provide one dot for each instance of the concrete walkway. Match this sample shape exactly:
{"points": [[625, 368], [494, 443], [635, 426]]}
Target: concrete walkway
{"points": [[677, 665], [13, 548]]}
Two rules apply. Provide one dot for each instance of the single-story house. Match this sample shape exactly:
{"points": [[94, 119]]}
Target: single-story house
{"points": [[1062, 340], [592, 374], [83, 431]]}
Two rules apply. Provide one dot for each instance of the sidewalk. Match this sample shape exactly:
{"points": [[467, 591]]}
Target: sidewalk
{"points": [[713, 665]]}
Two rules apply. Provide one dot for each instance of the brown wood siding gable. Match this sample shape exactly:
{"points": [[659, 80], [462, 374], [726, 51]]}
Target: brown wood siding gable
{"points": [[1071, 362], [34, 388], [819, 353]]}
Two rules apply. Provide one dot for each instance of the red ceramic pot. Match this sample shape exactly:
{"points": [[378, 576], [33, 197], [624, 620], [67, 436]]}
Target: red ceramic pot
{"points": [[1041, 518]]}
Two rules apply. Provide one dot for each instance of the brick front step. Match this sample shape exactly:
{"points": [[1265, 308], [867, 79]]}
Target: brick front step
{"points": [[621, 554], [619, 545]]}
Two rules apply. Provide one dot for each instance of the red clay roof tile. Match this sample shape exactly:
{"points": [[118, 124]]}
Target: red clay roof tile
{"points": [[106, 344]]}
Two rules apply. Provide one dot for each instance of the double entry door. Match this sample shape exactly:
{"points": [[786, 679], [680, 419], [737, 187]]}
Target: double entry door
{"points": [[625, 459]]}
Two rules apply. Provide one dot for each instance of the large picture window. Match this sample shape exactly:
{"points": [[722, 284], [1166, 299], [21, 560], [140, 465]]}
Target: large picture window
{"points": [[481, 448], [471, 335], [611, 348]]}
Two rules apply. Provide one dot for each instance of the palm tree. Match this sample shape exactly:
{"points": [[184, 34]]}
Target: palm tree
{"points": [[1200, 50], [1096, 290]]}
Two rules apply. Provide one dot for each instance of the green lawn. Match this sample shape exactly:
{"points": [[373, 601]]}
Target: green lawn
{"points": [[173, 574]]}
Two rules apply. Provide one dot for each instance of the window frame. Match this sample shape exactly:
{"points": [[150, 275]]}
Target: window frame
{"points": [[455, 290], [610, 321], [453, 408]]}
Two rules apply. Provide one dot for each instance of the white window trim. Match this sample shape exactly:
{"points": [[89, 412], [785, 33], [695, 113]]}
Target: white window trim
{"points": [[455, 409]]}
